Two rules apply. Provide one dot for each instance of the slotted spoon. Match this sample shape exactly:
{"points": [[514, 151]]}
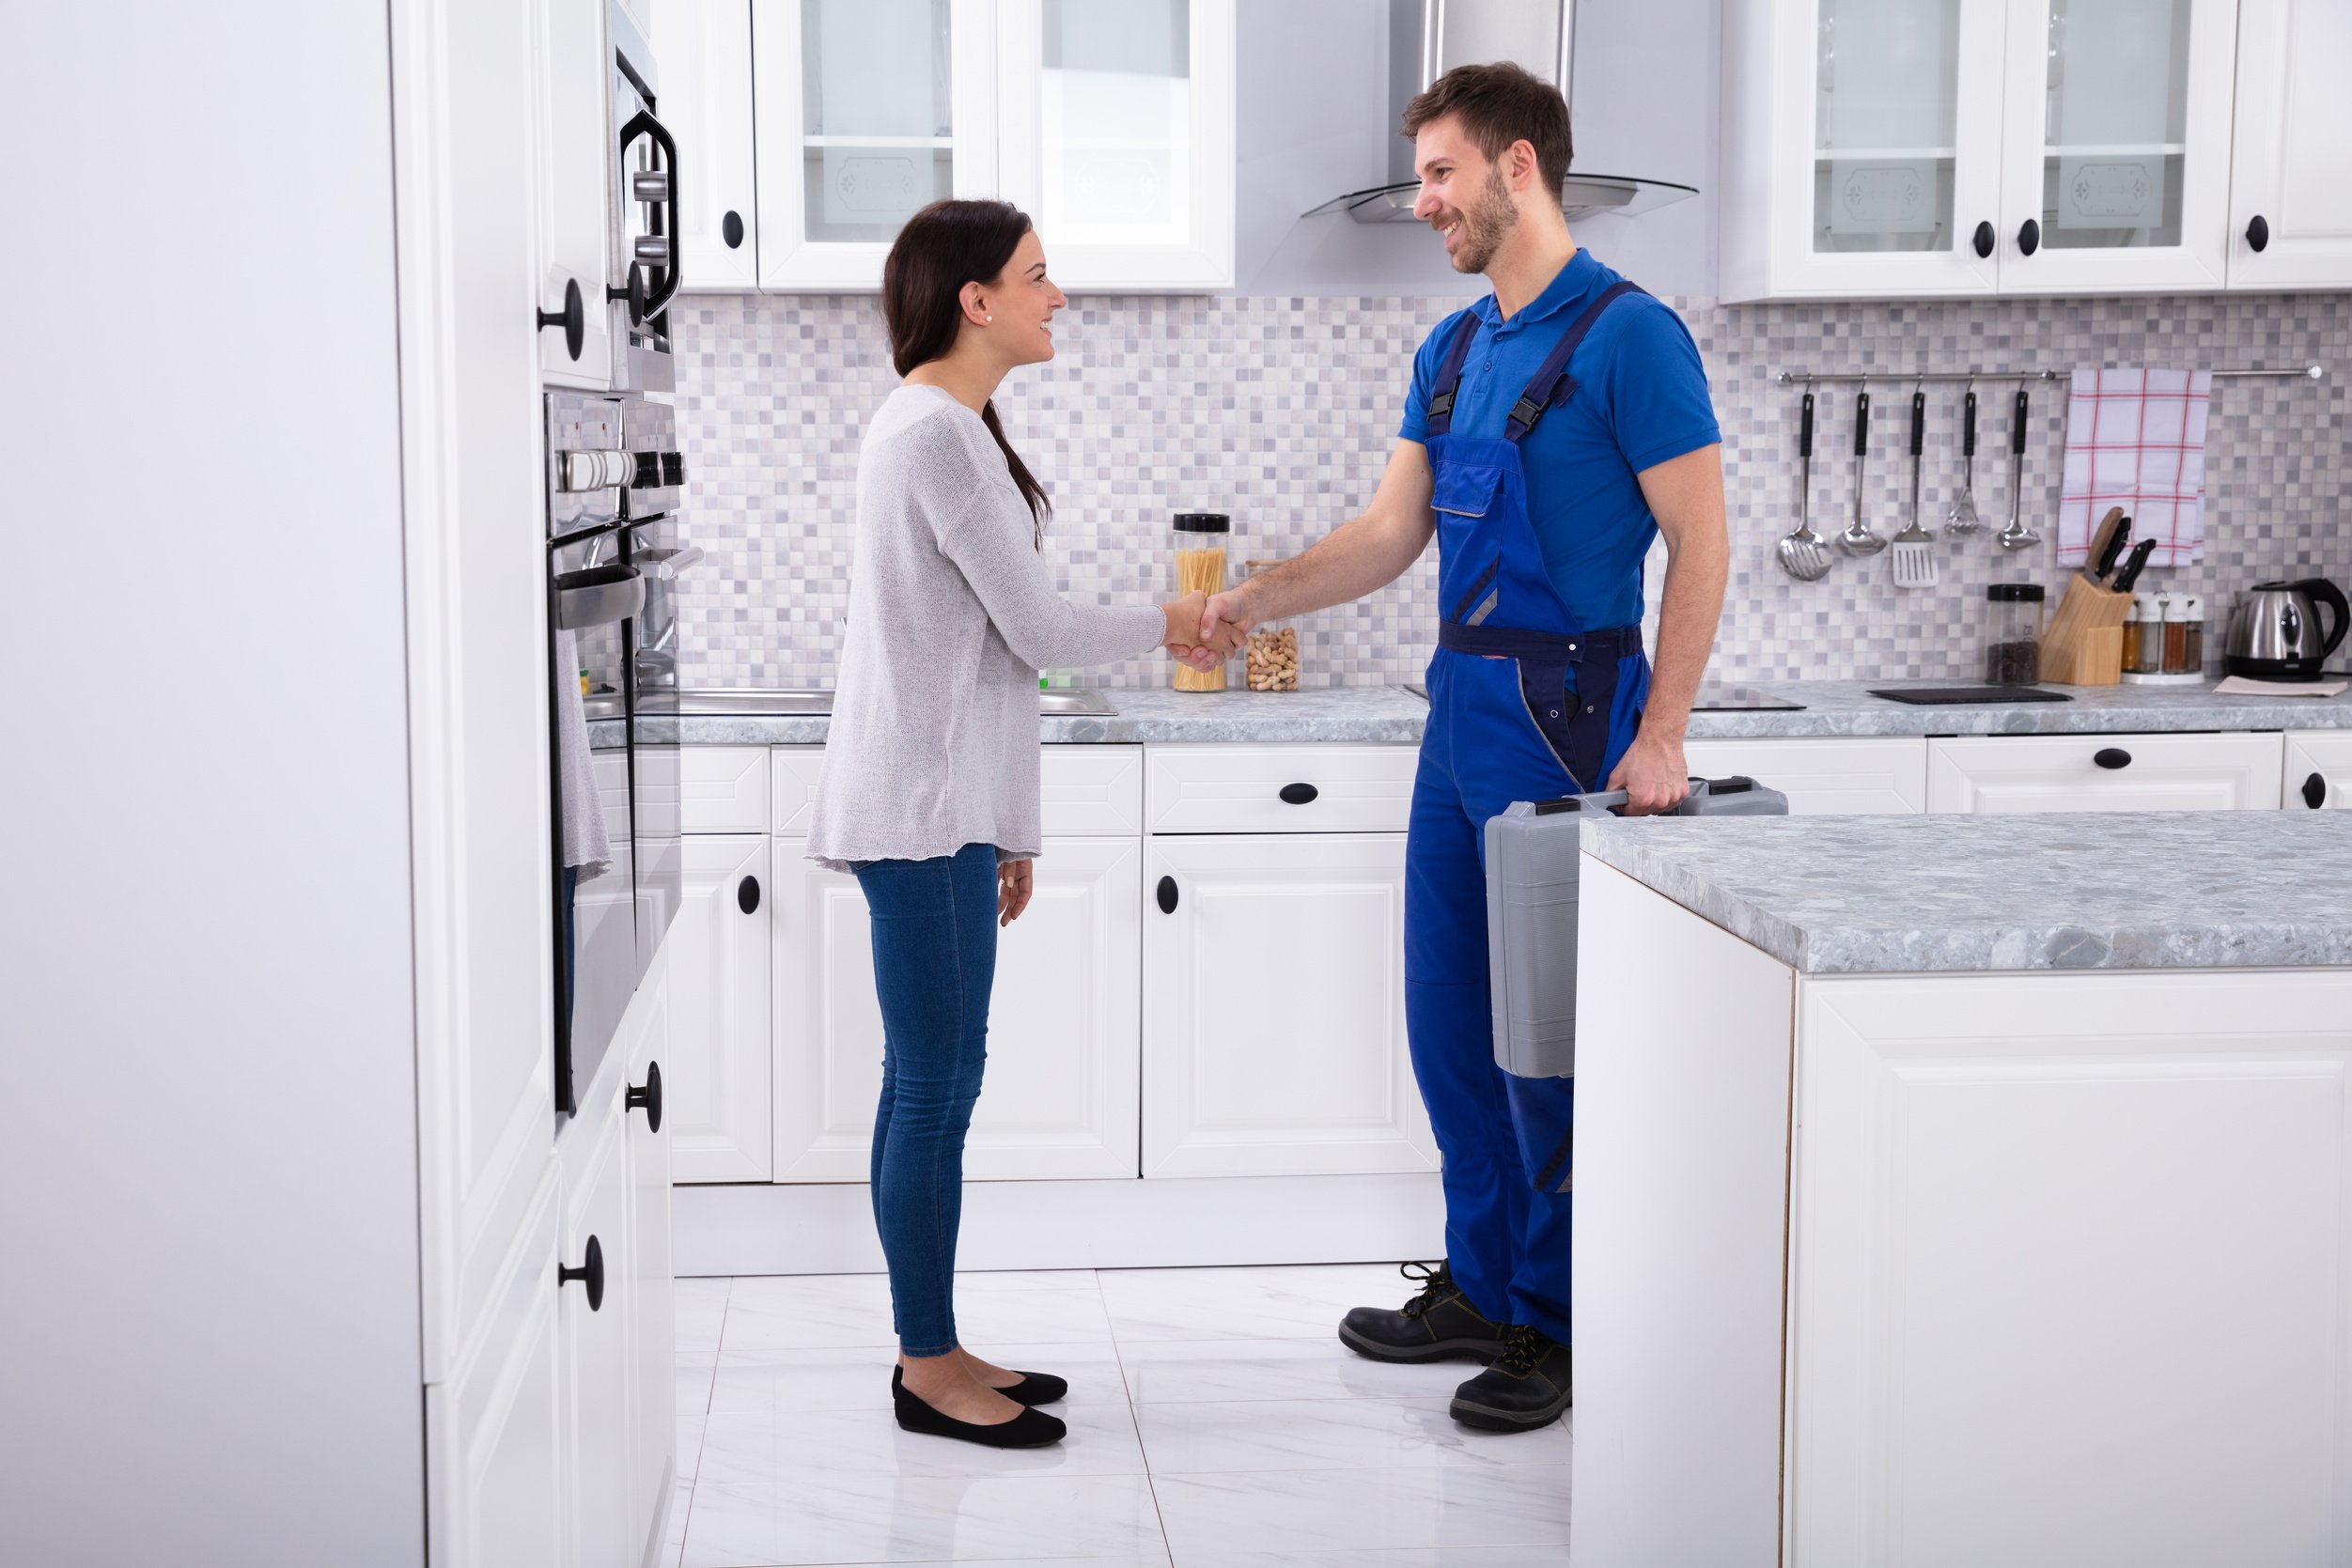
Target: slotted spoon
{"points": [[1962, 518], [1803, 556]]}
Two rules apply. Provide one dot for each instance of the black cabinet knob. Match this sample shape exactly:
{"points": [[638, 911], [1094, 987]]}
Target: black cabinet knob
{"points": [[1167, 895], [2030, 237], [647, 1099], [2258, 234], [747, 895], [634, 294], [574, 318], [1298, 794], [2315, 791], [1986, 240], [731, 230], [2111, 757], [590, 1273]]}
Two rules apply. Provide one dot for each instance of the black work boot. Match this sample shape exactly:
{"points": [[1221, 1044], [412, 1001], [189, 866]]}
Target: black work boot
{"points": [[1526, 1385], [1439, 1325]]}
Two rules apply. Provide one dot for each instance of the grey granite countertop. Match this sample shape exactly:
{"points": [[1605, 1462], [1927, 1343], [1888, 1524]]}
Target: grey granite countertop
{"points": [[1922, 894], [1366, 715], [1846, 707]]}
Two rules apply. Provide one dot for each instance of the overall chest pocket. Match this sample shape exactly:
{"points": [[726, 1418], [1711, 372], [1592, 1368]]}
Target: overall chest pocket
{"points": [[1466, 490]]}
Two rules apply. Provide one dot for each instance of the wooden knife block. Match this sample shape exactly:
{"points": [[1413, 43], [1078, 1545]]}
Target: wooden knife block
{"points": [[2084, 644]]}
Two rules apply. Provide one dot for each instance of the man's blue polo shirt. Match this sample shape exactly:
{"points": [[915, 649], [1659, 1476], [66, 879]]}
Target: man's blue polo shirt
{"points": [[1640, 398]]}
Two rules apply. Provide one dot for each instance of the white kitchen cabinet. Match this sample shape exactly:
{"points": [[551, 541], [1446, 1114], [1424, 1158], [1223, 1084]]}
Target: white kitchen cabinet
{"points": [[704, 50], [2291, 170], [716, 1085], [574, 132], [1274, 1007], [652, 1319], [1060, 1093], [2318, 775], [1116, 123], [594, 1348], [1826, 776], [723, 789], [2104, 772], [1252, 789], [864, 112]]}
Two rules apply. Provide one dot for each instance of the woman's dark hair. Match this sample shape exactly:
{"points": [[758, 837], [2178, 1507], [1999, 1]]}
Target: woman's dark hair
{"points": [[946, 245]]}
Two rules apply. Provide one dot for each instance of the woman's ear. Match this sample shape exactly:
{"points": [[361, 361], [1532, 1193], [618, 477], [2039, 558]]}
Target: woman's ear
{"points": [[976, 306]]}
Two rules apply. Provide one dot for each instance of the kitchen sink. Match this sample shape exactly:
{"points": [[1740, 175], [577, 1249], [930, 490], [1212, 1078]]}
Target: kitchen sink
{"points": [[814, 703]]}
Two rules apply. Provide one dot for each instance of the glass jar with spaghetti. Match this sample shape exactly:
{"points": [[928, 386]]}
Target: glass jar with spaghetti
{"points": [[1200, 567]]}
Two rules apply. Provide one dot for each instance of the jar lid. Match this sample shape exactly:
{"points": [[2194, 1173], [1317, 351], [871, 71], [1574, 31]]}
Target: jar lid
{"points": [[2148, 607], [2015, 593], [2177, 608], [1203, 523], [2195, 606]]}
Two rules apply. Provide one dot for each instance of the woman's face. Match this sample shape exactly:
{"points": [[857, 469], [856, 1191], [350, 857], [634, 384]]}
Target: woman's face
{"points": [[1022, 299]]}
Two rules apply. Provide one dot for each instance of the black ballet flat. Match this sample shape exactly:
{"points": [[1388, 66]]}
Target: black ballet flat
{"points": [[1037, 1388], [1029, 1429]]}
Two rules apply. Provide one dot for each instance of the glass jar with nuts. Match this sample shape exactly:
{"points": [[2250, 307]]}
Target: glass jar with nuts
{"points": [[1270, 657]]}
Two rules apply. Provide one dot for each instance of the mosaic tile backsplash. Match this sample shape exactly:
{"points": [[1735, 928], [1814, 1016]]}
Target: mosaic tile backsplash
{"points": [[1281, 410]]}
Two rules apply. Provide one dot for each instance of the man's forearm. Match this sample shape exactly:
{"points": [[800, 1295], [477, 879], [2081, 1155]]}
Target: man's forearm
{"points": [[1688, 612], [1352, 560]]}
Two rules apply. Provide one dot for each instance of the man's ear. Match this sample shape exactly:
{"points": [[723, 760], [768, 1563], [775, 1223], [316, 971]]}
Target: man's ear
{"points": [[1525, 167]]}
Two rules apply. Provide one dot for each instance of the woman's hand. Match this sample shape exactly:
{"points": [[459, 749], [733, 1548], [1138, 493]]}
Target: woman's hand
{"points": [[1185, 619], [1012, 891]]}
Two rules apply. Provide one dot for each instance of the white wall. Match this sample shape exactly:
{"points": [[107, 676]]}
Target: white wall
{"points": [[1314, 122], [207, 1227]]}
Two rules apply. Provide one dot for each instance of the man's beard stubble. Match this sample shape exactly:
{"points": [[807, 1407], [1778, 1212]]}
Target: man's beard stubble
{"points": [[1485, 225]]}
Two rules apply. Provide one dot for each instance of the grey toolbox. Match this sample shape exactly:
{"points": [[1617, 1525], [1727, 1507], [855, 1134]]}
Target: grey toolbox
{"points": [[1531, 850]]}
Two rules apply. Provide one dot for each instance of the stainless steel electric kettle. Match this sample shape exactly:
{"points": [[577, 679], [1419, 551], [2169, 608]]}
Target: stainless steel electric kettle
{"points": [[2274, 629]]}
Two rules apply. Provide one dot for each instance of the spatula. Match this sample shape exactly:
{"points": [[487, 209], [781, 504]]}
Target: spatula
{"points": [[1915, 548]]}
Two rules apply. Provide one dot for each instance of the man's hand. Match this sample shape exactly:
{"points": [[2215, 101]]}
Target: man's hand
{"points": [[1214, 641], [1225, 616], [1012, 889], [1652, 774]]}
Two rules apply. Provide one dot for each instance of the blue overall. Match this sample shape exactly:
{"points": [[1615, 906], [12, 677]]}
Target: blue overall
{"points": [[1524, 705]]}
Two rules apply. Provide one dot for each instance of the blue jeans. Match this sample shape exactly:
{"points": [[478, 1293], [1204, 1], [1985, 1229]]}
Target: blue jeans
{"points": [[934, 925]]}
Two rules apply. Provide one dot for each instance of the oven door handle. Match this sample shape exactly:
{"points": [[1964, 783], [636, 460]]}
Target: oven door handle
{"points": [[666, 564], [598, 596], [658, 296]]}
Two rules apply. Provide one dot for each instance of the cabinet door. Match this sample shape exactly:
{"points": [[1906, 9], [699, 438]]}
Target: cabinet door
{"points": [[595, 1360], [653, 1329], [574, 127], [2318, 772], [716, 1084], [1274, 1008], [705, 48], [1824, 777], [866, 110], [1116, 133], [2104, 772], [1059, 1099], [2116, 163], [1861, 148], [2291, 161]]}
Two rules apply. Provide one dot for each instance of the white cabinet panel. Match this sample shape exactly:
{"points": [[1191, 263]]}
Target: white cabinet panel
{"points": [[652, 1323], [1825, 776], [595, 1350], [1274, 1008], [1092, 790], [2318, 772], [2103, 772], [703, 48], [574, 134], [723, 789], [1059, 1098], [2291, 158], [794, 768], [1238, 788], [715, 1083]]}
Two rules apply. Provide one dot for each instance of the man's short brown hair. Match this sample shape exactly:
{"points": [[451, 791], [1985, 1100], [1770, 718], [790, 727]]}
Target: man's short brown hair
{"points": [[1499, 104]]}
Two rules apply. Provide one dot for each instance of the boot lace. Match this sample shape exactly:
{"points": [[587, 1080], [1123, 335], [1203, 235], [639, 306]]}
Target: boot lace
{"points": [[1436, 1281], [1522, 1347]]}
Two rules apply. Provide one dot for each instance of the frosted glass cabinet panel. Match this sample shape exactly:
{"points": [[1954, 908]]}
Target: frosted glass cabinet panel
{"points": [[1117, 137], [1886, 115]]}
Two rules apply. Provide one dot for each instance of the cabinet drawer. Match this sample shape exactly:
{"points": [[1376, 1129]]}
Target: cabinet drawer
{"points": [[723, 789], [2318, 772], [792, 774], [1238, 789], [2104, 772], [1088, 790], [1824, 777]]}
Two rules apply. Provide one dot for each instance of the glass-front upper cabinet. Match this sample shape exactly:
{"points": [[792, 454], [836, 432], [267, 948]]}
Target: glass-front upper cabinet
{"points": [[1117, 136], [2116, 145], [865, 112]]}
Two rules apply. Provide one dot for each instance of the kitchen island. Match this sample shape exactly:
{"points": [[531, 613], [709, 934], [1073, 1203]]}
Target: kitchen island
{"points": [[1965, 1190]]}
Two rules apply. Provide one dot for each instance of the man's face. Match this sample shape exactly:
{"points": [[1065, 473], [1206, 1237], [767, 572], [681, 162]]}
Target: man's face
{"points": [[1464, 195]]}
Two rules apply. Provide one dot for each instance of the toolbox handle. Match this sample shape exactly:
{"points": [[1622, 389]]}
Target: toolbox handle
{"points": [[1609, 800]]}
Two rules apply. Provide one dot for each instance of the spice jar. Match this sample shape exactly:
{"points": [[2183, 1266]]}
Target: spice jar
{"points": [[1270, 657], [1200, 539], [2185, 654], [2143, 635], [2013, 633]]}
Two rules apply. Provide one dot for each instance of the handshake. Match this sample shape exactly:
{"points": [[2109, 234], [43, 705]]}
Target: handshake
{"points": [[1204, 631]]}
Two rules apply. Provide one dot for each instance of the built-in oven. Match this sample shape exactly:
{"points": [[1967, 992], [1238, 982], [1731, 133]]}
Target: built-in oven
{"points": [[615, 553]]}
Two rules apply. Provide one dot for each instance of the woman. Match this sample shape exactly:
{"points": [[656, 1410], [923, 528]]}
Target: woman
{"points": [[930, 787]]}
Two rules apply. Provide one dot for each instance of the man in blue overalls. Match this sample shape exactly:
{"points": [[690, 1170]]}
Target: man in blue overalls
{"points": [[1553, 430]]}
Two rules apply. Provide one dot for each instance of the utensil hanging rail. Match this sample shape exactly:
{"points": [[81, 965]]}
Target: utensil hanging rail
{"points": [[1895, 378]]}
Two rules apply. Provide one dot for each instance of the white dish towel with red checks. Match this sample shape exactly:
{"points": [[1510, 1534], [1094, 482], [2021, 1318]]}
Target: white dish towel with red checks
{"points": [[2136, 439]]}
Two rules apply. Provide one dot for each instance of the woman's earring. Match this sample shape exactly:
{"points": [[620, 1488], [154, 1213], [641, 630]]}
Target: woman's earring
{"points": [[987, 320]]}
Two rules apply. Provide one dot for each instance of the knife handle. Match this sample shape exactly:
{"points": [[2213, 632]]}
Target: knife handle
{"points": [[1919, 423], [2016, 428], [1805, 429], [1862, 426], [1967, 425]]}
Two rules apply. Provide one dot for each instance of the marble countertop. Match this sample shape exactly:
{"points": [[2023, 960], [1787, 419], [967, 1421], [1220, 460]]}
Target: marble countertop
{"points": [[1925, 894], [1365, 715]]}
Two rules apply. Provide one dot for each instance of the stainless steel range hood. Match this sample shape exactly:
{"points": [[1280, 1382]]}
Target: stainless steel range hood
{"points": [[1426, 38]]}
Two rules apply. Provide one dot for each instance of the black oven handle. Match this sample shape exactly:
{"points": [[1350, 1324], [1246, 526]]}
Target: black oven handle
{"points": [[658, 296]]}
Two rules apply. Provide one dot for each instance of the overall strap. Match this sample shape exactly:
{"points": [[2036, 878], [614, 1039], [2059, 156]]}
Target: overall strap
{"points": [[1551, 383], [1440, 418]]}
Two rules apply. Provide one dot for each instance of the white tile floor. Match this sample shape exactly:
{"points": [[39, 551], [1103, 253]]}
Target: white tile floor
{"points": [[1216, 1421]]}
